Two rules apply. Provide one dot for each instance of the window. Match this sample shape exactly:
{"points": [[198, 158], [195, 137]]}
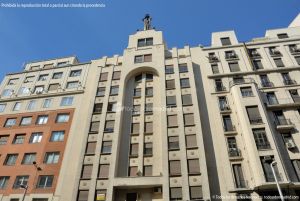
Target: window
{"points": [[103, 76], [48, 65], [75, 73], [287, 79], [138, 78], [149, 91], [10, 159], [109, 126], [183, 68], [148, 127], [135, 128], [31, 105], [116, 75], [106, 147], [61, 64], [170, 84], [103, 171], [83, 195], [3, 139], [51, 157], [149, 77], [191, 141], [176, 193], [196, 192], [29, 79], [10, 122], [174, 168], [148, 148], [62, 118], [100, 91], [17, 106], [90, 148], [257, 64], [228, 123], [53, 87], [2, 107], [57, 75], [145, 42], [112, 107], [171, 101], [26, 121], [238, 176], [148, 107], [72, 85], [172, 120], [280, 118], [297, 60], [296, 165], [230, 55], [254, 115], [136, 110], [225, 41], [45, 181], [278, 62], [246, 91], [98, 108], [13, 81], [137, 92], [21, 180], [67, 101], [288, 140], [193, 166], [169, 69], [223, 105], [282, 35], [24, 90], [43, 77], [173, 142], [19, 139], [28, 158], [295, 96], [36, 137], [234, 66], [184, 83], [114, 90], [271, 97], [57, 136], [42, 119], [7, 92], [215, 68], [3, 181], [47, 103], [38, 89], [265, 82], [133, 171], [134, 149], [266, 164], [188, 119], [94, 126], [143, 58], [147, 170]]}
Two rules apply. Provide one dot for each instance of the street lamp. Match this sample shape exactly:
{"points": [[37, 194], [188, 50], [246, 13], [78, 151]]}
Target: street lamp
{"points": [[276, 180], [25, 187]]}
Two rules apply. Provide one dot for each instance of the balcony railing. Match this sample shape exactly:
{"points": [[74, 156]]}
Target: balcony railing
{"points": [[230, 56], [229, 128], [220, 88], [213, 59], [295, 50], [263, 146], [225, 107], [283, 122], [267, 84], [289, 82], [241, 81], [256, 120], [254, 54], [234, 152], [275, 53]]}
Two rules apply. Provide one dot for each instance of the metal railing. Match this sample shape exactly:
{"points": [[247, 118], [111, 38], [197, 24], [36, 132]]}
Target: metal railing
{"points": [[220, 88], [234, 152], [241, 81], [263, 146], [231, 56], [267, 84], [283, 122], [212, 59], [289, 82], [256, 120], [229, 128]]}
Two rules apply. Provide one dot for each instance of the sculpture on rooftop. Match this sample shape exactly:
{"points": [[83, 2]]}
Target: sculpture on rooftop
{"points": [[147, 22]]}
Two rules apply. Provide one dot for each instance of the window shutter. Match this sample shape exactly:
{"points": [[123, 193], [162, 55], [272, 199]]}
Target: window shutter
{"points": [[176, 193], [196, 192], [187, 99], [193, 165], [116, 75], [149, 127], [83, 195], [103, 171], [191, 141], [189, 119], [91, 146], [135, 128], [171, 100], [148, 58], [170, 84], [172, 120], [103, 76], [134, 150], [87, 171], [133, 171], [148, 170], [175, 168]]}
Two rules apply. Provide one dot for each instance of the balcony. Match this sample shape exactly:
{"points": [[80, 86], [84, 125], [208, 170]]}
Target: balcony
{"points": [[254, 55], [220, 88], [294, 50], [283, 103], [225, 108], [283, 124], [213, 59], [267, 84], [234, 154], [289, 82], [241, 81], [263, 146], [275, 53], [256, 120], [231, 56], [230, 129]]}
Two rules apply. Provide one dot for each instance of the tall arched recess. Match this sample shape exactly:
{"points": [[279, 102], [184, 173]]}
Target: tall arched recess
{"points": [[140, 144]]}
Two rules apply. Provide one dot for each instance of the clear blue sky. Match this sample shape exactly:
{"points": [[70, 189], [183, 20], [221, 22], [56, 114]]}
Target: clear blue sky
{"points": [[37, 34]]}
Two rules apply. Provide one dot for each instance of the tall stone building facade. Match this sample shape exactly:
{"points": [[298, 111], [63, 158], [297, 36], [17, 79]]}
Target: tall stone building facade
{"points": [[192, 123]]}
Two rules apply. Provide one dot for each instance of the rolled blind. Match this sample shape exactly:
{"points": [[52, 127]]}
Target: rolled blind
{"points": [[103, 171], [175, 168], [172, 120], [193, 166], [87, 171], [191, 141], [91, 146], [116, 75], [53, 87], [135, 128], [189, 119], [253, 112], [133, 171], [148, 58], [234, 67], [103, 76], [196, 192], [148, 170], [170, 84], [83, 195], [187, 99], [134, 150], [95, 126], [171, 100], [149, 127], [109, 124], [176, 193]]}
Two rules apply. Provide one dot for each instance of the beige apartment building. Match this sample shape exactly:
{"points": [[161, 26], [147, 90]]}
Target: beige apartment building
{"points": [[192, 123]]}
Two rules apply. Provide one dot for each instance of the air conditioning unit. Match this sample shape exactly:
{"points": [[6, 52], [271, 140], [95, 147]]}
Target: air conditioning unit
{"points": [[157, 190], [290, 145]]}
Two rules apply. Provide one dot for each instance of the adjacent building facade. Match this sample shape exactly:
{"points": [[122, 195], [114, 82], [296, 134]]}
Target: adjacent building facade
{"points": [[196, 123]]}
